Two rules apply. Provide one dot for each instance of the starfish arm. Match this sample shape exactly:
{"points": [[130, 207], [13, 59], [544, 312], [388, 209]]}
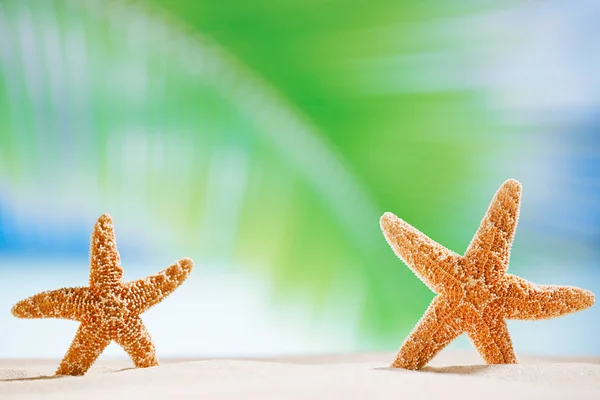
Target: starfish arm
{"points": [[66, 303], [136, 341], [491, 339], [434, 264], [527, 301], [147, 292], [87, 346], [489, 252], [105, 262], [436, 329]]}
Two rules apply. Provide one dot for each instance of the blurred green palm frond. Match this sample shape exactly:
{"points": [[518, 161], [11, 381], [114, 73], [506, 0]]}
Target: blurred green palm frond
{"points": [[270, 135]]}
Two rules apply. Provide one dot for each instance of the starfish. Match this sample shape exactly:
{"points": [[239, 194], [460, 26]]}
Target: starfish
{"points": [[474, 293], [108, 309]]}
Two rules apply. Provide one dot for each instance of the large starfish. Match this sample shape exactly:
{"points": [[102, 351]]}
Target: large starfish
{"points": [[474, 293], [108, 309]]}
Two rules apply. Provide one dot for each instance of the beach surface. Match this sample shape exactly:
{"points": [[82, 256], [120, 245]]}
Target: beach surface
{"points": [[452, 375]]}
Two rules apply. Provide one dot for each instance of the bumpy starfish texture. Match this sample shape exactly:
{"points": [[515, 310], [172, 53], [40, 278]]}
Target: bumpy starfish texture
{"points": [[474, 293], [108, 308]]}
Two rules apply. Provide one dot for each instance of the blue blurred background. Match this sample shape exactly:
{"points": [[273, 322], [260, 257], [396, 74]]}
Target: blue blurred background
{"points": [[265, 138]]}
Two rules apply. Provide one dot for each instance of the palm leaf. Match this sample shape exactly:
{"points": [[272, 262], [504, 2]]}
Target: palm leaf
{"points": [[265, 135]]}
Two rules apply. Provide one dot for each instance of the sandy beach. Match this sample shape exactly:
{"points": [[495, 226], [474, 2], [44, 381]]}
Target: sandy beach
{"points": [[452, 375]]}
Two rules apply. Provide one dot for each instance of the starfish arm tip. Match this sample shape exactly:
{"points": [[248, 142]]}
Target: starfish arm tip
{"points": [[181, 270], [19, 309], [587, 298], [513, 183], [28, 309], [387, 215], [573, 299], [105, 218], [104, 224], [186, 263], [387, 221], [513, 187]]}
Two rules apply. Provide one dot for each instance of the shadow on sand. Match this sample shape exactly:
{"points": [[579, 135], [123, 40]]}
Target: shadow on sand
{"points": [[34, 378], [453, 369], [49, 377]]}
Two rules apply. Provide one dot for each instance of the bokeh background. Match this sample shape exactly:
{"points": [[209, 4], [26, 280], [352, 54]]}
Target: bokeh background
{"points": [[265, 138]]}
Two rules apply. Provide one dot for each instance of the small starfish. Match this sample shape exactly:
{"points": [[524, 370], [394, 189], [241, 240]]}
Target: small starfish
{"points": [[108, 309], [474, 293]]}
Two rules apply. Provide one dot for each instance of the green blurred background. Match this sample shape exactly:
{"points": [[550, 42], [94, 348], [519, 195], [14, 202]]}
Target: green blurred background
{"points": [[264, 139]]}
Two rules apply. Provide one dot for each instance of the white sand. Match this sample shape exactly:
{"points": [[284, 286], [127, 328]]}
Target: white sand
{"points": [[453, 375]]}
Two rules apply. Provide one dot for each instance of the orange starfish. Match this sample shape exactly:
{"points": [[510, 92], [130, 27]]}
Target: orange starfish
{"points": [[474, 293], [108, 309]]}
